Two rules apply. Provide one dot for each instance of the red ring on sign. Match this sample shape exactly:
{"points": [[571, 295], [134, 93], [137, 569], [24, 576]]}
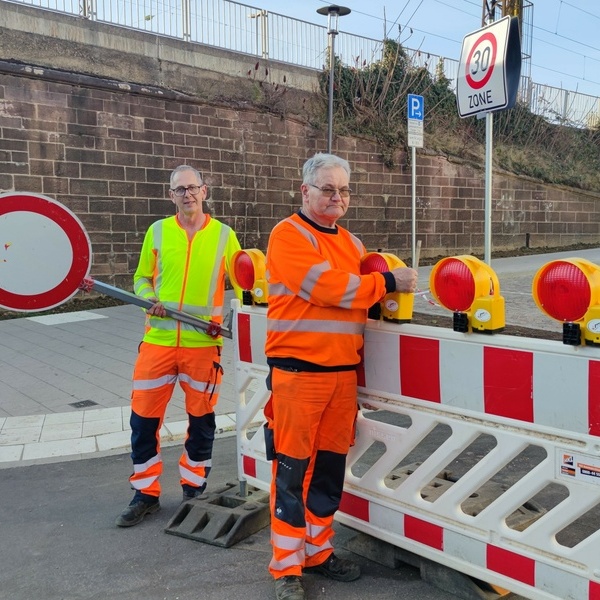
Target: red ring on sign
{"points": [[80, 246], [476, 85]]}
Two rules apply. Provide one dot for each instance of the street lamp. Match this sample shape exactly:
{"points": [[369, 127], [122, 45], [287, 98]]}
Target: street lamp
{"points": [[332, 12]]}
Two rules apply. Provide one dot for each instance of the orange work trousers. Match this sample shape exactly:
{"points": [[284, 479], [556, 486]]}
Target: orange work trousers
{"points": [[312, 417], [156, 371]]}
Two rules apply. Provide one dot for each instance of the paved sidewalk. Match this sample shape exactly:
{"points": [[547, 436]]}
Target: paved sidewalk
{"points": [[65, 383], [65, 380]]}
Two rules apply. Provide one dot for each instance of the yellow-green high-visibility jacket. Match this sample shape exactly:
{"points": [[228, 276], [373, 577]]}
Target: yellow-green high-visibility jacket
{"points": [[185, 275]]}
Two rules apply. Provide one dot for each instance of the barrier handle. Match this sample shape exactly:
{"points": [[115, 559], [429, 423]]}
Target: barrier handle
{"points": [[209, 327]]}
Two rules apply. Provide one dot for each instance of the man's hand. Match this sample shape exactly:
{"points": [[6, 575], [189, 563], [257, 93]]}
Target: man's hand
{"points": [[157, 309], [406, 279]]}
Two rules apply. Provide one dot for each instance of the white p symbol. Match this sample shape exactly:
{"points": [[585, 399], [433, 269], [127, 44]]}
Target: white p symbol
{"points": [[415, 106]]}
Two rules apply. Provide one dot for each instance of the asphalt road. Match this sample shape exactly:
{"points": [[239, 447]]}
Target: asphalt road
{"points": [[59, 542]]}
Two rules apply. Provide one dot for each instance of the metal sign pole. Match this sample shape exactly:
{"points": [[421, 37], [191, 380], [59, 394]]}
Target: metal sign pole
{"points": [[414, 207], [487, 229], [415, 105], [488, 81]]}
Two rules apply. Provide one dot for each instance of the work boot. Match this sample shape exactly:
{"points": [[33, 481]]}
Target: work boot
{"points": [[289, 588], [190, 492], [136, 511], [336, 568]]}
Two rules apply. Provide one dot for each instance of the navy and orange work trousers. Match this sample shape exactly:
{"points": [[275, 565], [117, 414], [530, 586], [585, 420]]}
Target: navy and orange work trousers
{"points": [[312, 417], [156, 371]]}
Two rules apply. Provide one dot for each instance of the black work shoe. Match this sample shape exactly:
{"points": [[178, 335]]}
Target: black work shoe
{"points": [[336, 568], [136, 511], [289, 588], [191, 493]]}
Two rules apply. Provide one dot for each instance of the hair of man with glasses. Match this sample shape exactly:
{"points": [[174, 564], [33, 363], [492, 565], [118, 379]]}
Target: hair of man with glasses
{"points": [[318, 304], [181, 168], [323, 161]]}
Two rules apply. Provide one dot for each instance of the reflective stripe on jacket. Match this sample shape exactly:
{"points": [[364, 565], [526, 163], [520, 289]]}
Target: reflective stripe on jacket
{"points": [[186, 275], [318, 300]]}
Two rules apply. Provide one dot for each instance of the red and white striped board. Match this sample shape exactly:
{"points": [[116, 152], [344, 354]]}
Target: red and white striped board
{"points": [[535, 381]]}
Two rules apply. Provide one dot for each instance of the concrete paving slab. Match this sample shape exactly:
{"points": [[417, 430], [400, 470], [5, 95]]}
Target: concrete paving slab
{"points": [[60, 448], [71, 317], [61, 431]]}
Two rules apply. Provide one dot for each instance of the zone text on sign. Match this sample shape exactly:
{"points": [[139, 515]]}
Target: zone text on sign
{"points": [[480, 99]]}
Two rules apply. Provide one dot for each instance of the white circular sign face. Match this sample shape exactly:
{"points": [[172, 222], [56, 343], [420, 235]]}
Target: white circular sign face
{"points": [[481, 61], [45, 252]]}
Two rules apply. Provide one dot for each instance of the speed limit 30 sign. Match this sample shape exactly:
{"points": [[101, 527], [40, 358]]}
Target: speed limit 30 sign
{"points": [[490, 68]]}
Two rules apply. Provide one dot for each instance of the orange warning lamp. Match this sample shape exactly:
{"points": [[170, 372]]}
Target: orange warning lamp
{"points": [[470, 288], [248, 273], [395, 306], [569, 291]]}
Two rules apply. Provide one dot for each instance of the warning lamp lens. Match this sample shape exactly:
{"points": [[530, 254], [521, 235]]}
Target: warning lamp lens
{"points": [[243, 271], [564, 291], [454, 285], [374, 263]]}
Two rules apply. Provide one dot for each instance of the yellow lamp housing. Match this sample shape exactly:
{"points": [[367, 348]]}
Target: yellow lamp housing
{"points": [[569, 291], [395, 306], [248, 272], [470, 289]]}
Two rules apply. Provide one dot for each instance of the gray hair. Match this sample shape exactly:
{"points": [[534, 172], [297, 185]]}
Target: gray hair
{"points": [[185, 168], [322, 161]]}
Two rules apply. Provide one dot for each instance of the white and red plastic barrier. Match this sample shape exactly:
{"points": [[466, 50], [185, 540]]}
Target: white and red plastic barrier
{"points": [[521, 393]]}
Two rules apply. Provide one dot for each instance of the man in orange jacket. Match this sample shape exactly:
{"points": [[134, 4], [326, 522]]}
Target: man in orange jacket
{"points": [[318, 303], [182, 266]]}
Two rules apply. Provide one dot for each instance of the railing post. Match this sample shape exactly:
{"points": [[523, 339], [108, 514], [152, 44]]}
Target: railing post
{"points": [[565, 107], [186, 20], [264, 32], [87, 9]]}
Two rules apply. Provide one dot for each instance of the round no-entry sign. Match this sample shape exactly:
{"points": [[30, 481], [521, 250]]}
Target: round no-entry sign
{"points": [[45, 252]]}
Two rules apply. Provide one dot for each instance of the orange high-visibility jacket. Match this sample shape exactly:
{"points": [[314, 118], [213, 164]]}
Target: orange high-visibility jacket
{"points": [[318, 301], [185, 275]]}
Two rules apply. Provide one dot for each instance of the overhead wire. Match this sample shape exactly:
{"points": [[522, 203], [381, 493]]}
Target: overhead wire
{"points": [[535, 27]]}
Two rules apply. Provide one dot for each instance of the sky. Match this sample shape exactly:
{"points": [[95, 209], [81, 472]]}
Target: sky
{"points": [[565, 40]]}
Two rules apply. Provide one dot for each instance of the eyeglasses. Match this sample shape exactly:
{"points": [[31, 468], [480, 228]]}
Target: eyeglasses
{"points": [[192, 189], [329, 192]]}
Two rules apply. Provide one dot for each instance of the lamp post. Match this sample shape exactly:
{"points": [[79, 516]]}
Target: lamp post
{"points": [[332, 12]]}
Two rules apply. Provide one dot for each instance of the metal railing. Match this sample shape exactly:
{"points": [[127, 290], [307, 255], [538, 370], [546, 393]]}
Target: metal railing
{"points": [[257, 32]]}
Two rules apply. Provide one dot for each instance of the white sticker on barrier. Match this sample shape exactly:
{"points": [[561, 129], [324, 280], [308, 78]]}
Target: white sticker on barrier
{"points": [[578, 466]]}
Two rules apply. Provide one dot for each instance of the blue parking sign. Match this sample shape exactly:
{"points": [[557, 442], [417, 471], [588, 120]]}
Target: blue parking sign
{"points": [[416, 107]]}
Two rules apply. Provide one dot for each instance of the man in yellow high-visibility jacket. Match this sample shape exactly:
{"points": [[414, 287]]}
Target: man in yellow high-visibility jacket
{"points": [[182, 266]]}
